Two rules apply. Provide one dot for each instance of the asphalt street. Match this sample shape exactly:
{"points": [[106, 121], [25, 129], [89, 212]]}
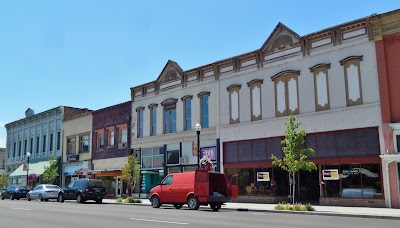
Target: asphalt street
{"points": [[21, 213]]}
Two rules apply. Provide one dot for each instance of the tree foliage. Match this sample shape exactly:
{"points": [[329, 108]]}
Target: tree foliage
{"points": [[131, 172], [51, 173], [295, 155], [4, 179]]}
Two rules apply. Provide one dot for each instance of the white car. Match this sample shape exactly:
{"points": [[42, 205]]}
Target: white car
{"points": [[43, 192]]}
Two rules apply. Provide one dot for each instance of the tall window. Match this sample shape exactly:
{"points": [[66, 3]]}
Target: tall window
{"points": [[37, 144], [25, 146], [140, 111], [31, 145], [204, 108], [187, 112], [44, 144], [169, 115], [398, 143], [101, 140], [71, 146], [111, 138], [123, 140], [233, 91], [352, 74], [58, 140], [255, 99], [321, 86], [286, 93], [14, 149], [153, 119], [84, 144], [51, 141], [19, 148]]}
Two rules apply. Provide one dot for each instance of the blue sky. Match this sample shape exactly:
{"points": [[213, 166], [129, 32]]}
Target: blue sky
{"points": [[87, 54]]}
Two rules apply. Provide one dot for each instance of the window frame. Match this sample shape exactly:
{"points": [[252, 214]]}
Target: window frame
{"points": [[204, 116], [153, 119], [81, 141], [285, 77], [316, 70], [140, 121], [187, 114], [346, 63], [70, 142], [257, 83], [169, 106], [232, 89]]}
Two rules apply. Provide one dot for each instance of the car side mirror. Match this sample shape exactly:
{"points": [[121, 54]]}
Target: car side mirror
{"points": [[160, 183]]}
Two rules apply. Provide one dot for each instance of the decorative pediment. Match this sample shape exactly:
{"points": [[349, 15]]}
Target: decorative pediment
{"points": [[281, 38], [171, 72]]}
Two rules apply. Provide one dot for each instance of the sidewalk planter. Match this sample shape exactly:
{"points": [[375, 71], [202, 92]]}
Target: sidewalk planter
{"points": [[351, 202]]}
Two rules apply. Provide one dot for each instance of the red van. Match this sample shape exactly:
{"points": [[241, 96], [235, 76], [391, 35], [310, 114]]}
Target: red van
{"points": [[194, 189]]}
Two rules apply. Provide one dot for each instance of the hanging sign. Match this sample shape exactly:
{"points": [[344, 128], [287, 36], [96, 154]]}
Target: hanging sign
{"points": [[263, 176], [330, 174]]}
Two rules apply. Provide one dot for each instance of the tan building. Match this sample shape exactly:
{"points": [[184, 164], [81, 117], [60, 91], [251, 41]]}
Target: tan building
{"points": [[77, 138]]}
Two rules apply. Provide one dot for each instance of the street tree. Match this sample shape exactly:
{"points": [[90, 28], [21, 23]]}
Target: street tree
{"points": [[51, 172], [294, 153], [4, 179], [131, 172]]}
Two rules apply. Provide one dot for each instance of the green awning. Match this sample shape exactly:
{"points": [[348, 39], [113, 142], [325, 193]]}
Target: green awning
{"points": [[38, 168]]}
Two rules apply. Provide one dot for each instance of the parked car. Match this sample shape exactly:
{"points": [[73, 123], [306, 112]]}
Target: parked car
{"points": [[82, 190], [194, 189], [43, 192], [14, 192]]}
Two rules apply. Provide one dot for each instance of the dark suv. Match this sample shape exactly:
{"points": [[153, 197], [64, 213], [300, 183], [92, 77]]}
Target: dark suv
{"points": [[82, 190], [14, 192]]}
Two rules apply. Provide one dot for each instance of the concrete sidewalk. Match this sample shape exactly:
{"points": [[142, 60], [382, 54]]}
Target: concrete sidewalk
{"points": [[367, 212]]}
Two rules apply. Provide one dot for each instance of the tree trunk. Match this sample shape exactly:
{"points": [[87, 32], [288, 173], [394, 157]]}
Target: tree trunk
{"points": [[294, 187], [290, 185]]}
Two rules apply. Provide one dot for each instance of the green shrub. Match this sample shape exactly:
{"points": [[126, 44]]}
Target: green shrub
{"points": [[279, 207], [132, 200], [299, 207], [309, 207], [119, 200]]}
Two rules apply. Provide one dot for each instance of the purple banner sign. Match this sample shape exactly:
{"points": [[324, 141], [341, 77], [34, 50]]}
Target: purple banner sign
{"points": [[210, 152]]}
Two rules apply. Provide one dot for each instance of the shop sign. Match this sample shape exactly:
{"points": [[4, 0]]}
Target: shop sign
{"points": [[210, 152], [73, 157], [330, 174], [263, 176], [351, 172]]}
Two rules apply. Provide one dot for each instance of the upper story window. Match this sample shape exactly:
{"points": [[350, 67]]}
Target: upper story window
{"points": [[153, 119], [71, 145], [37, 144], [19, 148], [187, 112], [14, 149], [139, 112], [204, 108], [100, 139], [321, 86], [286, 93], [111, 137], [84, 143], [44, 144], [58, 140], [31, 145], [25, 146], [123, 136], [398, 143], [234, 105], [352, 74], [51, 142], [255, 99], [169, 115]]}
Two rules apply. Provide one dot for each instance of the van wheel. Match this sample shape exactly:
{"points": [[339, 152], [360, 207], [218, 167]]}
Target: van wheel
{"points": [[215, 207], [12, 197], [60, 198], [155, 202], [193, 203], [178, 206]]}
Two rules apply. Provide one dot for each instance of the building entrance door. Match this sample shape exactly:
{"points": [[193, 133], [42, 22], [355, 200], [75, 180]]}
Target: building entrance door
{"points": [[308, 186], [118, 187]]}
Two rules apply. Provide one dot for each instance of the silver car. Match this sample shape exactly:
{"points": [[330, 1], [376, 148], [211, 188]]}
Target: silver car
{"points": [[43, 192]]}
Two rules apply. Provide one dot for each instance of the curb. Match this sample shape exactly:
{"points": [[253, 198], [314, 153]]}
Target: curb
{"points": [[323, 213]]}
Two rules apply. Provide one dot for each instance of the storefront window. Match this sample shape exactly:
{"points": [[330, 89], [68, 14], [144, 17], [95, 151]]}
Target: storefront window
{"points": [[371, 181], [331, 187], [109, 182], [263, 181]]}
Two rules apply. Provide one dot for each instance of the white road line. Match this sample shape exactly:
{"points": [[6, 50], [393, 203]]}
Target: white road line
{"points": [[24, 209], [148, 220]]}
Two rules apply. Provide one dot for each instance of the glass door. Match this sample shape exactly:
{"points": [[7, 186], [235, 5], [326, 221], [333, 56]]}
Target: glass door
{"points": [[118, 187]]}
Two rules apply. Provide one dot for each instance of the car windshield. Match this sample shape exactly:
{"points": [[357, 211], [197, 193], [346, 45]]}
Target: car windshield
{"points": [[20, 187], [96, 184], [52, 187]]}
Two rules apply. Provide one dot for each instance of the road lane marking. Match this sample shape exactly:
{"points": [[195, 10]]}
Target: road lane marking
{"points": [[159, 221], [24, 209]]}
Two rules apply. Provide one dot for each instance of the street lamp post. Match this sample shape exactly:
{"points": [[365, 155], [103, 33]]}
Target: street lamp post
{"points": [[28, 155], [198, 129]]}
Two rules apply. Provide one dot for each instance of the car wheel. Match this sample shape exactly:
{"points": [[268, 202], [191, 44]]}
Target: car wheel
{"points": [[12, 197], [193, 203], [178, 206], [17, 198], [2, 197], [99, 201], [60, 198], [79, 198], [215, 207], [155, 202], [28, 197], [41, 198]]}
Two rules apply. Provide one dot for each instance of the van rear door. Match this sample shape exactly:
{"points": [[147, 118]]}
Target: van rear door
{"points": [[201, 183], [234, 186]]}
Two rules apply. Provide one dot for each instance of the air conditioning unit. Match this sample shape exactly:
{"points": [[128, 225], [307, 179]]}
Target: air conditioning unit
{"points": [[183, 160]]}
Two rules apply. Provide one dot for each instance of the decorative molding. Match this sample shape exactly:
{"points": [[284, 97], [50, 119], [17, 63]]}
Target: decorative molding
{"points": [[187, 97], [254, 81], [153, 105], [139, 108], [204, 93], [359, 57], [285, 72], [233, 86], [169, 101], [327, 65]]}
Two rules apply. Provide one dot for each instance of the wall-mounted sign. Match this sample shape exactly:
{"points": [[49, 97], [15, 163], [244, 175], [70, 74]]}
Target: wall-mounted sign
{"points": [[210, 152], [73, 157], [330, 174], [351, 172], [263, 176]]}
